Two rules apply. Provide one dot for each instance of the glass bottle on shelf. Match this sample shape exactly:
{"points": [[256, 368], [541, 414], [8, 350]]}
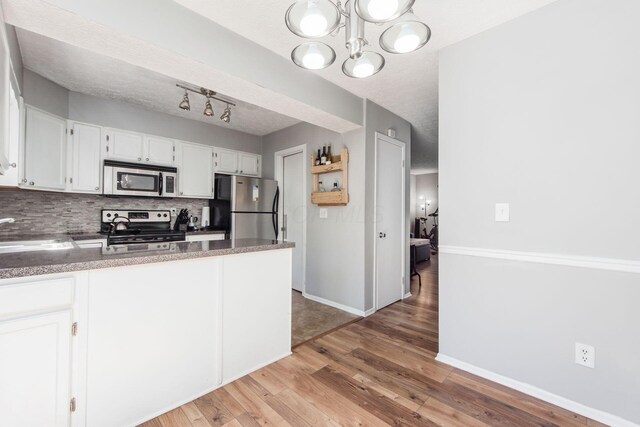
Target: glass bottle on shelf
{"points": [[323, 157], [321, 188], [335, 186], [329, 155], [317, 161]]}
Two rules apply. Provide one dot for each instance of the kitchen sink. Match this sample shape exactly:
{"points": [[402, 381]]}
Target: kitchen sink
{"points": [[36, 245]]}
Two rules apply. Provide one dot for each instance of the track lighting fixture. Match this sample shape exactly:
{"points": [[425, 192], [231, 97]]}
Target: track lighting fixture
{"points": [[184, 105], [318, 18], [209, 95]]}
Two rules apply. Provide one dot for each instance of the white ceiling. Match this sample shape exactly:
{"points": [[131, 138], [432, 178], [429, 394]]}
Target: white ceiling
{"points": [[83, 71], [408, 85]]}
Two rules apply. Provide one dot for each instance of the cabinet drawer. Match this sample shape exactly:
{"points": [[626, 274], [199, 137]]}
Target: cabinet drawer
{"points": [[27, 297]]}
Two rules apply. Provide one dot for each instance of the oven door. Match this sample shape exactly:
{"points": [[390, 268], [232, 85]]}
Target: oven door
{"points": [[126, 181]]}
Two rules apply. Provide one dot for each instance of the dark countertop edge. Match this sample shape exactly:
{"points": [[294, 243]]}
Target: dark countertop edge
{"points": [[19, 272]]}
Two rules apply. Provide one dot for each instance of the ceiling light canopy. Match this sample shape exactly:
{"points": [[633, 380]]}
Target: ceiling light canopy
{"points": [[380, 11], [312, 18], [318, 18], [313, 55], [209, 95]]}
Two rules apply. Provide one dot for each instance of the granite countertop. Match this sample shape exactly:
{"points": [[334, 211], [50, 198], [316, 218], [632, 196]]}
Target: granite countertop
{"points": [[21, 264]]}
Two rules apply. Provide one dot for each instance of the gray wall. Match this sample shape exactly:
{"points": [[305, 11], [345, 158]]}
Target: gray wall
{"points": [[335, 246], [378, 119], [49, 96], [16, 56], [532, 115], [38, 212]]}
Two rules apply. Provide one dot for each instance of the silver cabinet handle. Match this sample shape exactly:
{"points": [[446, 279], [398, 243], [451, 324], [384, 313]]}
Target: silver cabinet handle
{"points": [[382, 235], [24, 180], [139, 158], [147, 159], [97, 188], [13, 165], [181, 193], [32, 183]]}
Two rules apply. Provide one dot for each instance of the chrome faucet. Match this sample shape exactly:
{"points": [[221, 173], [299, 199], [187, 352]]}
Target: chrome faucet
{"points": [[7, 220]]}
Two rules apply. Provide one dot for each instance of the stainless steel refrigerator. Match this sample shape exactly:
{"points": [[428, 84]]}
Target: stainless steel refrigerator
{"points": [[245, 207]]}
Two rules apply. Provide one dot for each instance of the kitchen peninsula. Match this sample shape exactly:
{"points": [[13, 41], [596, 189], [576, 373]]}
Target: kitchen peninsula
{"points": [[106, 334]]}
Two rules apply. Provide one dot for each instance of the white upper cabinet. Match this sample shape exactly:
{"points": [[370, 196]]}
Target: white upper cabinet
{"points": [[159, 151], [236, 162], [249, 164], [125, 146], [225, 161], [195, 170], [10, 151], [45, 142], [86, 170], [139, 148]]}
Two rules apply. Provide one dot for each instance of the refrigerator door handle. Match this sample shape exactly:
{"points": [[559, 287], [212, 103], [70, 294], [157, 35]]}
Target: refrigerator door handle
{"points": [[274, 211]]}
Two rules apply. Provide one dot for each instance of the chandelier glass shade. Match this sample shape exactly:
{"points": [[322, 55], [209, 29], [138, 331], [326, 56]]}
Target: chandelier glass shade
{"points": [[319, 18], [312, 18], [366, 65], [381, 11], [313, 55]]}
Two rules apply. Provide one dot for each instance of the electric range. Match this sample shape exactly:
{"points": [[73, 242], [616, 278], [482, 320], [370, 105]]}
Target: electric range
{"points": [[139, 227]]}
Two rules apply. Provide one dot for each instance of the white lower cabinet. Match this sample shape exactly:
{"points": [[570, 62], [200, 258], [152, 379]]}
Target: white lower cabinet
{"points": [[35, 352], [153, 339]]}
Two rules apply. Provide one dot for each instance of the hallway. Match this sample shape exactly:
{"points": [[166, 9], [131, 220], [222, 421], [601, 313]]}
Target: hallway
{"points": [[375, 372]]}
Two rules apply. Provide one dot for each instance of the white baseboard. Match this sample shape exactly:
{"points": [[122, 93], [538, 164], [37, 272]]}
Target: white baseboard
{"points": [[578, 408], [334, 304], [255, 368], [611, 264], [407, 295], [369, 312]]}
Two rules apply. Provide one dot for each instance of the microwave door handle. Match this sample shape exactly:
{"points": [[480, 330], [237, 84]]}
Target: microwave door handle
{"points": [[161, 182]]}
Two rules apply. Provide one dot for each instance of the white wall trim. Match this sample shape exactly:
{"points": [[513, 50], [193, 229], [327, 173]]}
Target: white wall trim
{"points": [[339, 306], [578, 408], [612, 264], [278, 158], [369, 312], [407, 295]]}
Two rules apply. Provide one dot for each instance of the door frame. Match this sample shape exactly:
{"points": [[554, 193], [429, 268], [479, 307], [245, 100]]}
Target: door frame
{"points": [[403, 229], [278, 158]]}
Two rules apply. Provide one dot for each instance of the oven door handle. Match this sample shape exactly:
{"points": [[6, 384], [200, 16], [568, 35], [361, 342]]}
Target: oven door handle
{"points": [[161, 183]]}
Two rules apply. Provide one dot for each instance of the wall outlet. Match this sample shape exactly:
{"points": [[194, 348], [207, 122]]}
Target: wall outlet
{"points": [[502, 212], [324, 213], [585, 355]]}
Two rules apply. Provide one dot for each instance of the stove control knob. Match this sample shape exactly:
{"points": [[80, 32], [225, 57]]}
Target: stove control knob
{"points": [[108, 215], [159, 215], [165, 215]]}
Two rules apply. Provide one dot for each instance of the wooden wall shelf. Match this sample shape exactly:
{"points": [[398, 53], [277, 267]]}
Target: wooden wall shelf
{"points": [[331, 198]]}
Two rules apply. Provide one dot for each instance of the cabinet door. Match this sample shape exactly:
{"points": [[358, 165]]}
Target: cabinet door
{"points": [[10, 153], [249, 163], [127, 146], [226, 161], [35, 355], [159, 151], [85, 158], [195, 169], [45, 150]]}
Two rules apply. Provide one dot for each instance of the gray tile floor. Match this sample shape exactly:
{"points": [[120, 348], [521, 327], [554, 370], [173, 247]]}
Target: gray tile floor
{"points": [[310, 319]]}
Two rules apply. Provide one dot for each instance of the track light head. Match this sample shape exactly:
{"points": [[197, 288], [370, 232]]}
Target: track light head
{"points": [[208, 109], [184, 104], [226, 115]]}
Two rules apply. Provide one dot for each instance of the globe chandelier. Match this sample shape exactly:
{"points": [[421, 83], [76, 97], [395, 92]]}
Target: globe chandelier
{"points": [[313, 19]]}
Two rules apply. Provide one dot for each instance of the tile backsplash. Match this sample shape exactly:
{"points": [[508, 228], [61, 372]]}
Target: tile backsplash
{"points": [[42, 212]]}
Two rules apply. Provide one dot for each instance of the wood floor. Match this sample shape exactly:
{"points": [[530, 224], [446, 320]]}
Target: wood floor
{"points": [[375, 372]]}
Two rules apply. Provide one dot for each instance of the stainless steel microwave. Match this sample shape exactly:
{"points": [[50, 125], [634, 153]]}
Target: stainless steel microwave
{"points": [[132, 179]]}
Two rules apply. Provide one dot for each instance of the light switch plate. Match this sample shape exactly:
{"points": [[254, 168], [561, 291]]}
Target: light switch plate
{"points": [[324, 213], [502, 212]]}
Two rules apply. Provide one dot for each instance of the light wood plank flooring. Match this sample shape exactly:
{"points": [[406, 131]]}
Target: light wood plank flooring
{"points": [[375, 372]]}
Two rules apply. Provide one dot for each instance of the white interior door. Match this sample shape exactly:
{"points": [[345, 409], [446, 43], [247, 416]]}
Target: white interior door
{"points": [[390, 220], [293, 207]]}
